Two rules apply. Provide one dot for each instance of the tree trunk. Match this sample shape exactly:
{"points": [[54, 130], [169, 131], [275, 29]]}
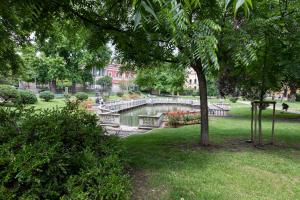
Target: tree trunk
{"points": [[285, 90], [293, 91], [84, 86], [204, 139], [73, 89], [53, 86]]}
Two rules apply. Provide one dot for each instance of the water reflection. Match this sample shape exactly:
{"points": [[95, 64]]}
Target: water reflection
{"points": [[130, 117]]}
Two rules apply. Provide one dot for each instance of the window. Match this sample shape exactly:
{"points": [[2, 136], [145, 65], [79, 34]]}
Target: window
{"points": [[190, 81], [195, 81]]}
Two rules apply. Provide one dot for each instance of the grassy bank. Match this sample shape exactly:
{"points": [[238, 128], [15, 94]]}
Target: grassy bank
{"points": [[169, 164]]}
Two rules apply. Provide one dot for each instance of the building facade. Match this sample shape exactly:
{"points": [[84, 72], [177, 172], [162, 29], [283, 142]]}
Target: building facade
{"points": [[191, 81], [120, 81]]}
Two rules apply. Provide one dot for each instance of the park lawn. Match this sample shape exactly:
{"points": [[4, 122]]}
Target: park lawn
{"points": [[169, 164], [292, 105], [57, 102]]}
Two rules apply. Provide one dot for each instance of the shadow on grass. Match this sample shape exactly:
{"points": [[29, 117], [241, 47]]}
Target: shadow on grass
{"points": [[176, 166]]}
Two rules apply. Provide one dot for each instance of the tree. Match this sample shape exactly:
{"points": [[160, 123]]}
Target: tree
{"points": [[163, 31], [264, 65], [78, 54], [105, 82], [165, 78], [184, 33]]}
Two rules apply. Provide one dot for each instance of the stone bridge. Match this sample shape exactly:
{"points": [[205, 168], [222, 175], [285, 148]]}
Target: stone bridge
{"points": [[109, 113]]}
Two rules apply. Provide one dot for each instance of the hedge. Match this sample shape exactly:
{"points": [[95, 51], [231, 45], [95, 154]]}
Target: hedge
{"points": [[59, 154]]}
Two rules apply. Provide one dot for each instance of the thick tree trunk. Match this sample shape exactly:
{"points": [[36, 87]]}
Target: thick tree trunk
{"points": [[73, 89], [204, 139]]}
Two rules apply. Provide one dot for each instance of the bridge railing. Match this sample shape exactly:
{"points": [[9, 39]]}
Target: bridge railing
{"points": [[168, 100], [123, 105]]}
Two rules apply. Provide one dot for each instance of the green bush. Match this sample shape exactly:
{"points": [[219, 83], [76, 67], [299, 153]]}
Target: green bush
{"points": [[187, 92], [27, 97], [9, 95], [47, 95], [120, 94], [174, 120], [195, 93], [81, 96], [297, 97], [187, 118], [67, 95], [59, 154], [233, 99]]}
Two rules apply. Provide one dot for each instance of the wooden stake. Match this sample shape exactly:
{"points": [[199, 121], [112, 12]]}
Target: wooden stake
{"points": [[255, 124], [273, 123], [252, 139]]}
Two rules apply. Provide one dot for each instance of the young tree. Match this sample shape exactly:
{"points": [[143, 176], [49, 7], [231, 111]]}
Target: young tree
{"points": [[106, 83]]}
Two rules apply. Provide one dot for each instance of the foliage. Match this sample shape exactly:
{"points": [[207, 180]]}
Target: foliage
{"points": [[120, 94], [297, 97], [27, 97], [233, 99], [195, 93], [59, 153], [144, 33], [173, 120], [180, 175], [46, 95], [165, 78], [124, 85], [8, 94], [81, 96], [105, 82], [187, 92], [182, 118]]}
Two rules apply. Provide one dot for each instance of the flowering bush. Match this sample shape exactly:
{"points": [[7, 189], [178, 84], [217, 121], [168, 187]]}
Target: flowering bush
{"points": [[182, 117]]}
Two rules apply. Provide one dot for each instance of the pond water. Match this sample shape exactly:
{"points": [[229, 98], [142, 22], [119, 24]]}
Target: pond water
{"points": [[130, 117]]}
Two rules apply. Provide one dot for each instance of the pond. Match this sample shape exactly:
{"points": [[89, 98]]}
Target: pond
{"points": [[130, 117]]}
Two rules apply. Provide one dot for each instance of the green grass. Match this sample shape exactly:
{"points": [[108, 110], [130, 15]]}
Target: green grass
{"points": [[169, 164], [57, 102], [293, 105]]}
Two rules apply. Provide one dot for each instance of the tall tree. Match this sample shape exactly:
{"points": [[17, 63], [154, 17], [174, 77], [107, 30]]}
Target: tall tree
{"points": [[161, 31]]}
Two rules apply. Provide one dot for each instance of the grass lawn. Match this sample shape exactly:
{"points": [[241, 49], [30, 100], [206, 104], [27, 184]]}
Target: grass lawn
{"points": [[169, 164], [293, 105], [57, 102]]}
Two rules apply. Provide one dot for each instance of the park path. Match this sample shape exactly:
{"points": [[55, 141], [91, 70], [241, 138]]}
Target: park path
{"points": [[278, 107]]}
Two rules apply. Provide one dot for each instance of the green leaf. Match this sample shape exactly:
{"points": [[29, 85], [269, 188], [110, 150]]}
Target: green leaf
{"points": [[137, 19], [149, 9]]}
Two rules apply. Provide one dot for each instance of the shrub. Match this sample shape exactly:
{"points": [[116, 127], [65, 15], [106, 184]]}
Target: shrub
{"points": [[174, 119], [67, 96], [195, 94], [187, 118], [297, 97], [120, 94], [81, 96], [187, 92], [27, 97], [47, 95], [59, 154], [9, 94], [105, 98], [233, 99]]}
